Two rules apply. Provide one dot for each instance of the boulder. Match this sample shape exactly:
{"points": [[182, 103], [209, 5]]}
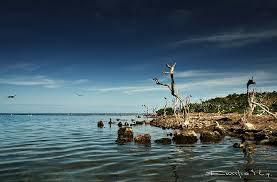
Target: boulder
{"points": [[210, 136], [139, 122], [125, 134], [163, 141], [100, 124], [272, 140], [260, 136], [238, 145], [119, 124], [126, 124], [143, 139], [185, 137]]}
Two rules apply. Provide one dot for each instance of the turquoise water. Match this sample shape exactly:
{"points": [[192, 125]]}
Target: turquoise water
{"points": [[72, 148]]}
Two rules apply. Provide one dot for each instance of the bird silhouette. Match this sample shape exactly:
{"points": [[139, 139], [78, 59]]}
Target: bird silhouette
{"points": [[250, 82]]}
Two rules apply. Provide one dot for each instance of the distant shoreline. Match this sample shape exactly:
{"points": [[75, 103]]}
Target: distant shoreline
{"points": [[74, 114]]}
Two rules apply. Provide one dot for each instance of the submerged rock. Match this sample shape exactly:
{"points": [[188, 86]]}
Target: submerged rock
{"points": [[100, 124], [185, 137], [143, 139], [125, 134], [210, 136], [163, 141]]}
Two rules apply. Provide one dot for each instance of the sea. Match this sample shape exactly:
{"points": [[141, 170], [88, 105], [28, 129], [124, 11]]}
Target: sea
{"points": [[70, 147]]}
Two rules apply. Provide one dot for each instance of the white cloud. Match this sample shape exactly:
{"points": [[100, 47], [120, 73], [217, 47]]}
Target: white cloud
{"points": [[231, 39], [38, 80], [199, 80]]}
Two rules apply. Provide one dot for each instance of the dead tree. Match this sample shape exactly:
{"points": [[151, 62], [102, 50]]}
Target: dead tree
{"points": [[172, 89], [146, 110], [252, 103], [165, 106]]}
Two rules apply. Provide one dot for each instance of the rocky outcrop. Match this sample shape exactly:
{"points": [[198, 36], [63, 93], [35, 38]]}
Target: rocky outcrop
{"points": [[124, 135], [163, 141], [143, 139], [210, 136], [185, 137], [100, 124]]}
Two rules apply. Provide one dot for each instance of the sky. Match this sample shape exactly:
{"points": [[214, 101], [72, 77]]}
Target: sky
{"points": [[110, 50]]}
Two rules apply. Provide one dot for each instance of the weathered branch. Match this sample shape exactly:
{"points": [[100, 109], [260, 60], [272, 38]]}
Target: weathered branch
{"points": [[263, 107]]}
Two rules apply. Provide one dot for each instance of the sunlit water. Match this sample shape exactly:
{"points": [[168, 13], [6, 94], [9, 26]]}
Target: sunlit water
{"points": [[72, 148]]}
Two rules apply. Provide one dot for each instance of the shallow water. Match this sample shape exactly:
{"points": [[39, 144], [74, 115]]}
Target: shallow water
{"points": [[72, 148]]}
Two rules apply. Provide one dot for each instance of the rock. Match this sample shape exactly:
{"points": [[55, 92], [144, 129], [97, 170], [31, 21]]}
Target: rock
{"points": [[248, 126], [272, 140], [220, 130], [185, 137], [117, 119], [125, 134], [163, 141], [238, 145], [126, 124], [169, 134], [139, 122], [210, 136], [260, 136], [143, 139], [274, 133], [248, 136], [119, 124], [100, 124]]}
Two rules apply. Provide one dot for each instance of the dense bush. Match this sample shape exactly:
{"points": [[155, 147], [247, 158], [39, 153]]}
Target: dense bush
{"points": [[169, 111], [232, 103]]}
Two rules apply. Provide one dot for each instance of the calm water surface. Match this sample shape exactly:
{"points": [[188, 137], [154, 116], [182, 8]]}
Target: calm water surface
{"points": [[72, 148]]}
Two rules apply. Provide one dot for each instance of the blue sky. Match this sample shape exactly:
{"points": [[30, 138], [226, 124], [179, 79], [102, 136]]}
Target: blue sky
{"points": [[109, 51]]}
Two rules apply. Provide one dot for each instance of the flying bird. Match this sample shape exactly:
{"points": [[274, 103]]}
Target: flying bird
{"points": [[11, 96]]}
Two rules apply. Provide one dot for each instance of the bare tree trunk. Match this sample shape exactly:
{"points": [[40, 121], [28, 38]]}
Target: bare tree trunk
{"points": [[165, 106], [171, 87]]}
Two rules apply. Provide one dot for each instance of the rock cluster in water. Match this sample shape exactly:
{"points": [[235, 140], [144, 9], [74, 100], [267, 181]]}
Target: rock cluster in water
{"points": [[124, 135], [185, 137], [143, 139], [163, 141]]}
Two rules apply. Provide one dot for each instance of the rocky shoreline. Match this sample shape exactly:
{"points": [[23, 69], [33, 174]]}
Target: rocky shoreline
{"points": [[213, 127], [206, 127]]}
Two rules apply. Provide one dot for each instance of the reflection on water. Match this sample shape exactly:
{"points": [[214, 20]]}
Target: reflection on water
{"points": [[72, 148]]}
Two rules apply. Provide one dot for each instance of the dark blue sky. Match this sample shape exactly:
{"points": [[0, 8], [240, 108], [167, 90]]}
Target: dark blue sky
{"points": [[109, 50]]}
